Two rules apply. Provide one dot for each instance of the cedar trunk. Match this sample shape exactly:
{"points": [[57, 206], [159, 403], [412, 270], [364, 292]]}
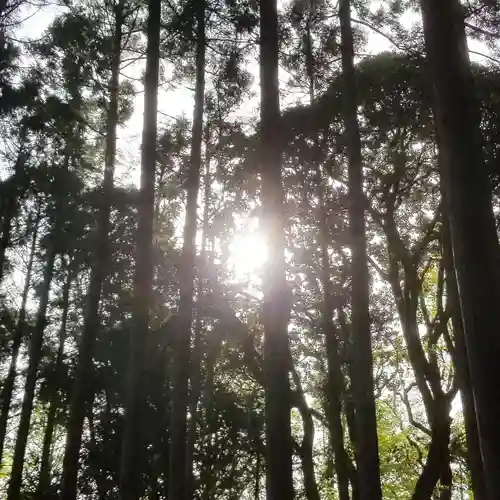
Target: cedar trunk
{"points": [[277, 295], [179, 473], [335, 378], [468, 196], [198, 347], [8, 388], [367, 457], [11, 203], [46, 460], [35, 355], [81, 393], [131, 461], [474, 459]]}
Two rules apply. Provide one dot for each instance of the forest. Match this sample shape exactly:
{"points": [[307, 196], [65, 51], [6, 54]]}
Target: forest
{"points": [[249, 249]]}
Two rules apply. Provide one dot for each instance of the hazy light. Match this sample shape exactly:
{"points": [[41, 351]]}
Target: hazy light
{"points": [[247, 255]]}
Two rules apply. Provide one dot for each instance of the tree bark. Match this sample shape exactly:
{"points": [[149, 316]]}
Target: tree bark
{"points": [[335, 379], [474, 458], [179, 473], [277, 294], [367, 457], [306, 449], [131, 461], [81, 392], [8, 388], [468, 195], [11, 203], [35, 354], [438, 458], [198, 347], [46, 459]]}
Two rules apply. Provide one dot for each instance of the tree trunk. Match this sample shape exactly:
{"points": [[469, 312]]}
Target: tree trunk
{"points": [[446, 483], [35, 354], [256, 491], [473, 233], [306, 449], [277, 294], [198, 340], [8, 388], [81, 392], [367, 457], [335, 380], [11, 203], [131, 461], [179, 473], [474, 458], [438, 458], [46, 460]]}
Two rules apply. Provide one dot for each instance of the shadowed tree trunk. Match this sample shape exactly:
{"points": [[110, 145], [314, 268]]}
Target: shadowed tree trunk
{"points": [[473, 234], [46, 459], [131, 462], [335, 379], [198, 347], [179, 467], [438, 459], [20, 331], [277, 294], [366, 421], [306, 448], [10, 202], [35, 355], [474, 459], [81, 390]]}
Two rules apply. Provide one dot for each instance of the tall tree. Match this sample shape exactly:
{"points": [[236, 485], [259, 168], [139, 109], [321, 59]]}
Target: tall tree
{"points": [[130, 471], [367, 457], [81, 391], [46, 458], [277, 294], [35, 355], [468, 195], [179, 473], [19, 333], [12, 190]]}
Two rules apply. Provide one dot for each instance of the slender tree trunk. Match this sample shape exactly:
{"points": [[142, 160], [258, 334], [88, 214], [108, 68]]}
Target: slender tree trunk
{"points": [[277, 294], [446, 483], [473, 233], [11, 203], [474, 458], [334, 416], [335, 379], [256, 491], [46, 460], [306, 452], [81, 392], [8, 215], [211, 418], [35, 354], [367, 443], [347, 399], [179, 473], [198, 340], [8, 388], [438, 458], [131, 459]]}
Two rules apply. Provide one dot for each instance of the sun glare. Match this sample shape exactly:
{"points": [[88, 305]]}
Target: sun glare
{"points": [[247, 255]]}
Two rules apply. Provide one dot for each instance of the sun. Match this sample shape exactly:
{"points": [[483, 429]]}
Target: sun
{"points": [[247, 254]]}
